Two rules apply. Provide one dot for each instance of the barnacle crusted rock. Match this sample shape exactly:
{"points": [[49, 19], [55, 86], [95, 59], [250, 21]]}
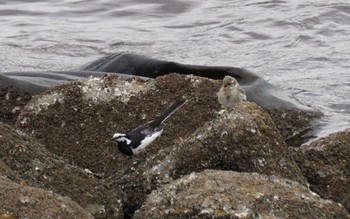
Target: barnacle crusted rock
{"points": [[228, 194]]}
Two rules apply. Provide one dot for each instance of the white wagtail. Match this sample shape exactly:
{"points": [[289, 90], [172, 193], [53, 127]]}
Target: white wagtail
{"points": [[135, 141], [230, 92]]}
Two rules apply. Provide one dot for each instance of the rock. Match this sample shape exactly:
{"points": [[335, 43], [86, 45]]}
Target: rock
{"points": [[25, 161], [88, 112], [11, 103], [295, 125], [243, 139], [228, 194], [19, 201], [326, 165]]}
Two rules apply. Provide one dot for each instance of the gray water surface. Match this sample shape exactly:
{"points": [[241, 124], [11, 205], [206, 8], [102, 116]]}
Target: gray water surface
{"points": [[302, 47]]}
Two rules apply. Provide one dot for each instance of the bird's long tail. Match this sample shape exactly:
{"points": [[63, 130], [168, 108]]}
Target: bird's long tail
{"points": [[170, 111]]}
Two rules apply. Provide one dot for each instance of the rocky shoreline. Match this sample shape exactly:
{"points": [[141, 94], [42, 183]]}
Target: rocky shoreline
{"points": [[240, 163]]}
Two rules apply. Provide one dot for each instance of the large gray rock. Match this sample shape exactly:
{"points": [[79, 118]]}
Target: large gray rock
{"points": [[25, 161], [77, 120], [20, 201], [326, 165], [228, 194]]}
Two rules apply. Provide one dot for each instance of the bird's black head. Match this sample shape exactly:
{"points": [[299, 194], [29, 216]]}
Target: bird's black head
{"points": [[124, 143]]}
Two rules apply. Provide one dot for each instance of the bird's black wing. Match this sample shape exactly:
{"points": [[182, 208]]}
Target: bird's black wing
{"points": [[139, 133]]}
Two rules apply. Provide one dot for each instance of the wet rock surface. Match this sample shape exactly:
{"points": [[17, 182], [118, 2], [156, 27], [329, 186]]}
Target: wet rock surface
{"points": [[63, 139], [20, 201], [326, 165], [227, 194]]}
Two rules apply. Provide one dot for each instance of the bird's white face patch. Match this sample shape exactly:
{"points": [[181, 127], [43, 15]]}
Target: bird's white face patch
{"points": [[148, 140], [120, 137], [117, 135]]}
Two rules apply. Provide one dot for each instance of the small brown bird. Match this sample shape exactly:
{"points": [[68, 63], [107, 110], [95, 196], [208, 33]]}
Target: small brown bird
{"points": [[230, 92]]}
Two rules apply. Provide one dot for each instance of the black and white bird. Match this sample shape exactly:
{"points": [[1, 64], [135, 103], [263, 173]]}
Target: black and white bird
{"points": [[136, 140]]}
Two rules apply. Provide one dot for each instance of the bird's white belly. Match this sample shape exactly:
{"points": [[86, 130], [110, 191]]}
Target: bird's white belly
{"points": [[145, 142]]}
